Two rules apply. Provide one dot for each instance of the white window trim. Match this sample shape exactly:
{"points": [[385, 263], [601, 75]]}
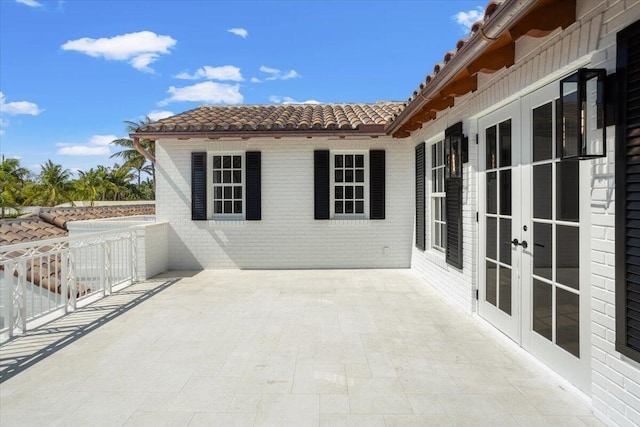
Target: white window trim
{"points": [[210, 214], [433, 196], [332, 183]]}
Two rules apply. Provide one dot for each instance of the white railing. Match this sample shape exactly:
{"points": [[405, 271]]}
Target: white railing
{"points": [[46, 279]]}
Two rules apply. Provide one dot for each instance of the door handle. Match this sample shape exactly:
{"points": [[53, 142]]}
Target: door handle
{"points": [[524, 243]]}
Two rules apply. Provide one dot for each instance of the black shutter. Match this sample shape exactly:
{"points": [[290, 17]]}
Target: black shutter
{"points": [[628, 193], [376, 184], [321, 183], [420, 192], [254, 186], [198, 186], [453, 190]]}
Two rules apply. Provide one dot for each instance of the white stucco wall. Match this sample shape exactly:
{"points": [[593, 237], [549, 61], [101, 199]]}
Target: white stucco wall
{"points": [[288, 236], [589, 42]]}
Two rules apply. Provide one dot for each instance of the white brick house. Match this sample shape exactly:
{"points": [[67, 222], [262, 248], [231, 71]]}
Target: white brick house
{"points": [[466, 183]]}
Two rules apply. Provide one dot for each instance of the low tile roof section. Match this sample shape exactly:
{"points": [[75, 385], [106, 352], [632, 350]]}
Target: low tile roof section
{"points": [[283, 118]]}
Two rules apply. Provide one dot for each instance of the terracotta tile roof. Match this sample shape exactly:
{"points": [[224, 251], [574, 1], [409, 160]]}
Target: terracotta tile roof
{"points": [[476, 31], [50, 223], [280, 118]]}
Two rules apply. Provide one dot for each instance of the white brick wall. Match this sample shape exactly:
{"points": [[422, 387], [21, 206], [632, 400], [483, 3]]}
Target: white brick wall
{"points": [[287, 236], [589, 42]]}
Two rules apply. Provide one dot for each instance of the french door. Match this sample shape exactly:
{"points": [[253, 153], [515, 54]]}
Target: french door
{"points": [[534, 246]]}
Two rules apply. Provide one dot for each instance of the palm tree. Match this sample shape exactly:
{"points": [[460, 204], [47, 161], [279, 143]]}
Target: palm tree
{"points": [[131, 157], [12, 179], [119, 183], [90, 185], [52, 187]]}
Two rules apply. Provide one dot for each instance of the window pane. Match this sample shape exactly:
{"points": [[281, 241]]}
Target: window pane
{"points": [[436, 209], [568, 256], [491, 238], [226, 177], [226, 162], [505, 241], [491, 162], [217, 177], [567, 192], [338, 161], [237, 192], [359, 175], [492, 279], [492, 190], [217, 207], [237, 207], [542, 191], [348, 161], [505, 143], [338, 177], [434, 181], [359, 192], [437, 236], [542, 250], [339, 192], [505, 192], [359, 207], [434, 159], [542, 313], [348, 207], [441, 180], [237, 176], [505, 290], [440, 153], [237, 162], [359, 161], [217, 193], [227, 192], [338, 207], [568, 321], [228, 207], [348, 192], [542, 132], [348, 175], [217, 162]]}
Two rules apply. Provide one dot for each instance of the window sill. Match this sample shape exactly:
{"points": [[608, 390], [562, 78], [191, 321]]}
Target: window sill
{"points": [[349, 222]]}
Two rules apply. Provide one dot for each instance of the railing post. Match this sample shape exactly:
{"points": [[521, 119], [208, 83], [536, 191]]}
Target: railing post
{"points": [[64, 279], [22, 293], [9, 296], [134, 255], [107, 267]]}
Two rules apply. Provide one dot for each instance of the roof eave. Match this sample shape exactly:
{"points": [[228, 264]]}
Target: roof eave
{"points": [[505, 16]]}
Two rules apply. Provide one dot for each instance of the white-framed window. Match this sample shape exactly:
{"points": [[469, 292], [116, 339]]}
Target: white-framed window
{"points": [[227, 185], [349, 184], [438, 197]]}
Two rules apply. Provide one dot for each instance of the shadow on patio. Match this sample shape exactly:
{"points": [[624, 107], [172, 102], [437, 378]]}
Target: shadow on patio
{"points": [[257, 348]]}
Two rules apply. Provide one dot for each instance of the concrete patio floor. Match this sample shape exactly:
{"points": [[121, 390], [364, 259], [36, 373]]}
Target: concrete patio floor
{"points": [[276, 348]]}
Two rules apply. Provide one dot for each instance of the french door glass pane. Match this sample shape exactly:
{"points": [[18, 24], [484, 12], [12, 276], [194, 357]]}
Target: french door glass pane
{"points": [[542, 250], [542, 195], [505, 241], [505, 290], [505, 143], [568, 256], [491, 238], [567, 321], [505, 192], [492, 161], [492, 193], [492, 279], [542, 310], [567, 194], [542, 132]]}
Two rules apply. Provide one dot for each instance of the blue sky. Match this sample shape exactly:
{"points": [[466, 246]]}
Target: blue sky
{"points": [[72, 71]]}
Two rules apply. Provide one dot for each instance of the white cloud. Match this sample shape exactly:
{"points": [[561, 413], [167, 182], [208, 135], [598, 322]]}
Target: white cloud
{"points": [[255, 80], [98, 145], [239, 32], [158, 115], [276, 74], [32, 3], [211, 92], [18, 107], [225, 72], [467, 19], [288, 100], [140, 49]]}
